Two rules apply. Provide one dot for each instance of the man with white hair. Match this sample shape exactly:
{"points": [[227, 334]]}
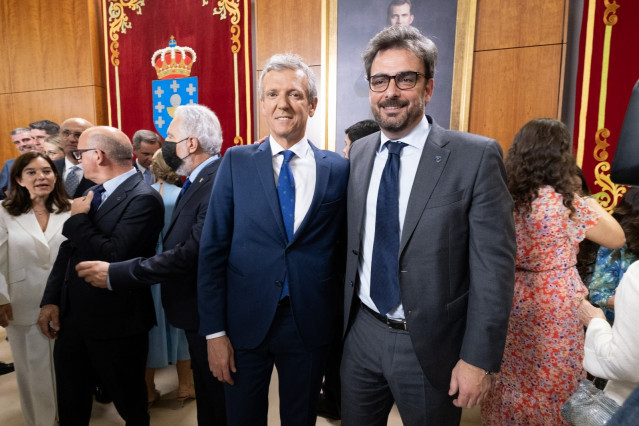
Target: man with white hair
{"points": [[192, 148]]}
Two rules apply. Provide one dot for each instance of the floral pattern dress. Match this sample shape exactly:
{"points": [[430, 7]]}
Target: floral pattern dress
{"points": [[542, 362]]}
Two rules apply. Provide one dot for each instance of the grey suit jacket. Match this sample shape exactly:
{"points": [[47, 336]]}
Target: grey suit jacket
{"points": [[457, 250]]}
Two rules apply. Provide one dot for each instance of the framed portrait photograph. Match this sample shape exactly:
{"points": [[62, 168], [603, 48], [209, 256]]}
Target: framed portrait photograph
{"points": [[359, 20]]}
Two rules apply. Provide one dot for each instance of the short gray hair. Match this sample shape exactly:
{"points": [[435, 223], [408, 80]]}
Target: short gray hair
{"points": [[202, 123], [146, 136], [18, 130], [402, 37], [289, 61], [116, 151]]}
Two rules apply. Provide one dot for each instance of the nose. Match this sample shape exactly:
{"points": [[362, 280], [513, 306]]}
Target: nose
{"points": [[392, 91], [282, 102]]}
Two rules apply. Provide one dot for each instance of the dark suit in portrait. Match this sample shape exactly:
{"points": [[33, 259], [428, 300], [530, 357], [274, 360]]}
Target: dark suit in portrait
{"points": [[101, 331]]}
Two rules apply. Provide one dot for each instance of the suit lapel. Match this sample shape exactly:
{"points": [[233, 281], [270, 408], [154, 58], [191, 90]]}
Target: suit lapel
{"points": [[54, 227], [431, 165], [118, 195], [264, 165], [30, 225], [322, 173]]}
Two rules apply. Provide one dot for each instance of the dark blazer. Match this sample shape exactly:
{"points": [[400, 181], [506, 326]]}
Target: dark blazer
{"points": [[245, 256], [5, 178], [457, 250], [176, 267], [84, 184], [126, 225]]}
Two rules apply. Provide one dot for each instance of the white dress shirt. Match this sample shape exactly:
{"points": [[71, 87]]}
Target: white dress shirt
{"points": [[409, 160], [67, 168]]}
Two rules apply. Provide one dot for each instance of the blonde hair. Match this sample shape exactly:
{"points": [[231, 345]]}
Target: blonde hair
{"points": [[161, 170]]}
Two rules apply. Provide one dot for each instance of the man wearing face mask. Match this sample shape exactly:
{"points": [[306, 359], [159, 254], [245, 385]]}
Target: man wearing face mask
{"points": [[191, 148]]}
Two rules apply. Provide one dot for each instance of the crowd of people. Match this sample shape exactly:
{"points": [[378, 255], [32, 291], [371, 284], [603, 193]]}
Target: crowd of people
{"points": [[421, 271]]}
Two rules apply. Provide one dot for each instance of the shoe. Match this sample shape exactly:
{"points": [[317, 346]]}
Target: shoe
{"points": [[154, 398], [6, 368], [101, 395], [328, 408]]}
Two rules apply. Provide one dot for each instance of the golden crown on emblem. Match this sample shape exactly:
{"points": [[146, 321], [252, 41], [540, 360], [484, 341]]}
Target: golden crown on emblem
{"points": [[173, 61]]}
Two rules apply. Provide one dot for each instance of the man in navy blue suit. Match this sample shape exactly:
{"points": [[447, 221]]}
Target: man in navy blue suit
{"points": [[267, 280]]}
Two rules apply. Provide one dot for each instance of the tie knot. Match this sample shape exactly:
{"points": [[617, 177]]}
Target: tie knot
{"points": [[395, 147], [187, 183], [288, 155], [99, 190]]}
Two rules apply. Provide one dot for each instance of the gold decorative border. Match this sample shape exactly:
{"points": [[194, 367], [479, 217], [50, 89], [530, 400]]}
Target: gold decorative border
{"points": [[231, 7], [118, 22], [611, 193]]}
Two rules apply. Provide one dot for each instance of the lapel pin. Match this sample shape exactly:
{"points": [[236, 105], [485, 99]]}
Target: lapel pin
{"points": [[201, 179], [438, 158]]}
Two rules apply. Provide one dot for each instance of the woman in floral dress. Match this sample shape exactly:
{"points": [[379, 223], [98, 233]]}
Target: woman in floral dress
{"points": [[542, 362]]}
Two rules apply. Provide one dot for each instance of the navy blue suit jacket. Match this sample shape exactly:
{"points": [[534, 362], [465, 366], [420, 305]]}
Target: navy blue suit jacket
{"points": [[175, 268], [127, 225], [245, 255]]}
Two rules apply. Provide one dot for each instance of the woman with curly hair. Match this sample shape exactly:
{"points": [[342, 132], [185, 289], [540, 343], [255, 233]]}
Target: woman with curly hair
{"points": [[542, 362], [612, 263]]}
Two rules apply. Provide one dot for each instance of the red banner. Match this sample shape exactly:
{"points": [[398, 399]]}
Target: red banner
{"points": [[608, 70], [161, 54]]}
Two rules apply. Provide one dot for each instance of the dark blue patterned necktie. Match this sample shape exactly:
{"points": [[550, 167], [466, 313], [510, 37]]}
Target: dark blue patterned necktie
{"points": [[186, 185], [97, 199], [286, 194], [385, 263]]}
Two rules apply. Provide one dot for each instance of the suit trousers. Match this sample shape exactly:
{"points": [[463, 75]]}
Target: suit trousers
{"points": [[209, 392], [379, 367], [33, 361], [299, 373], [120, 365]]}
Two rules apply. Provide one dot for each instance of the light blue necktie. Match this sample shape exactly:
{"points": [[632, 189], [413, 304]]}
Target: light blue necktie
{"points": [[147, 176], [286, 194], [385, 262]]}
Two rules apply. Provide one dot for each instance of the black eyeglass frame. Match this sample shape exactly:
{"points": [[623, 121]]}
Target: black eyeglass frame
{"points": [[77, 153], [398, 80]]}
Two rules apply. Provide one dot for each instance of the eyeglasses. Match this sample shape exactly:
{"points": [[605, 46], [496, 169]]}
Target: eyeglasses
{"points": [[67, 133], [403, 80], [77, 153], [168, 141], [52, 153]]}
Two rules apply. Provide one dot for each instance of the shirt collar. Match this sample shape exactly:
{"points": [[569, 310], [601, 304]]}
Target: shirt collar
{"points": [[68, 164], [416, 138], [202, 165], [300, 149], [141, 168], [112, 184]]}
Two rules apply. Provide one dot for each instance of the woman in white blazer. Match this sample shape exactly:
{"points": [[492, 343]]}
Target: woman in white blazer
{"points": [[31, 221], [613, 352]]}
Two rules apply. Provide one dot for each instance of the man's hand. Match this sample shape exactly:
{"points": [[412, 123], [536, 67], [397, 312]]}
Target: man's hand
{"points": [[471, 382], [49, 321], [82, 204], [94, 272], [6, 314], [221, 360]]}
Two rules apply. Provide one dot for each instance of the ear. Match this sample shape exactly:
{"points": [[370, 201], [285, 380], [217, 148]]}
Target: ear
{"points": [[311, 107], [101, 158], [428, 90], [194, 144]]}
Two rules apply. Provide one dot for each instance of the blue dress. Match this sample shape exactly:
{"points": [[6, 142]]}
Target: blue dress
{"points": [[167, 344]]}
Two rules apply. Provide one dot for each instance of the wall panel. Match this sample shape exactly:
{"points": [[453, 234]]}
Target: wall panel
{"points": [[513, 87]]}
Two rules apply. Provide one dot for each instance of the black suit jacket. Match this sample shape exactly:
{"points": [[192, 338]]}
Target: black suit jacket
{"points": [[126, 225], [176, 267], [84, 184]]}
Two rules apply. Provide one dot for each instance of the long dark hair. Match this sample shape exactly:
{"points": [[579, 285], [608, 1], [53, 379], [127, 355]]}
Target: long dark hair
{"points": [[540, 155], [19, 200], [627, 214]]}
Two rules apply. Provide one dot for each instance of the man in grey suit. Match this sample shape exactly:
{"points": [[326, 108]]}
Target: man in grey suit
{"points": [[431, 251]]}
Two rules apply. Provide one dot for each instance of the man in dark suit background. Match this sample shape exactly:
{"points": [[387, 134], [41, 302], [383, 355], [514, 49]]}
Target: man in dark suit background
{"points": [[192, 148], [267, 279], [98, 331], [145, 143], [431, 249], [70, 169]]}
